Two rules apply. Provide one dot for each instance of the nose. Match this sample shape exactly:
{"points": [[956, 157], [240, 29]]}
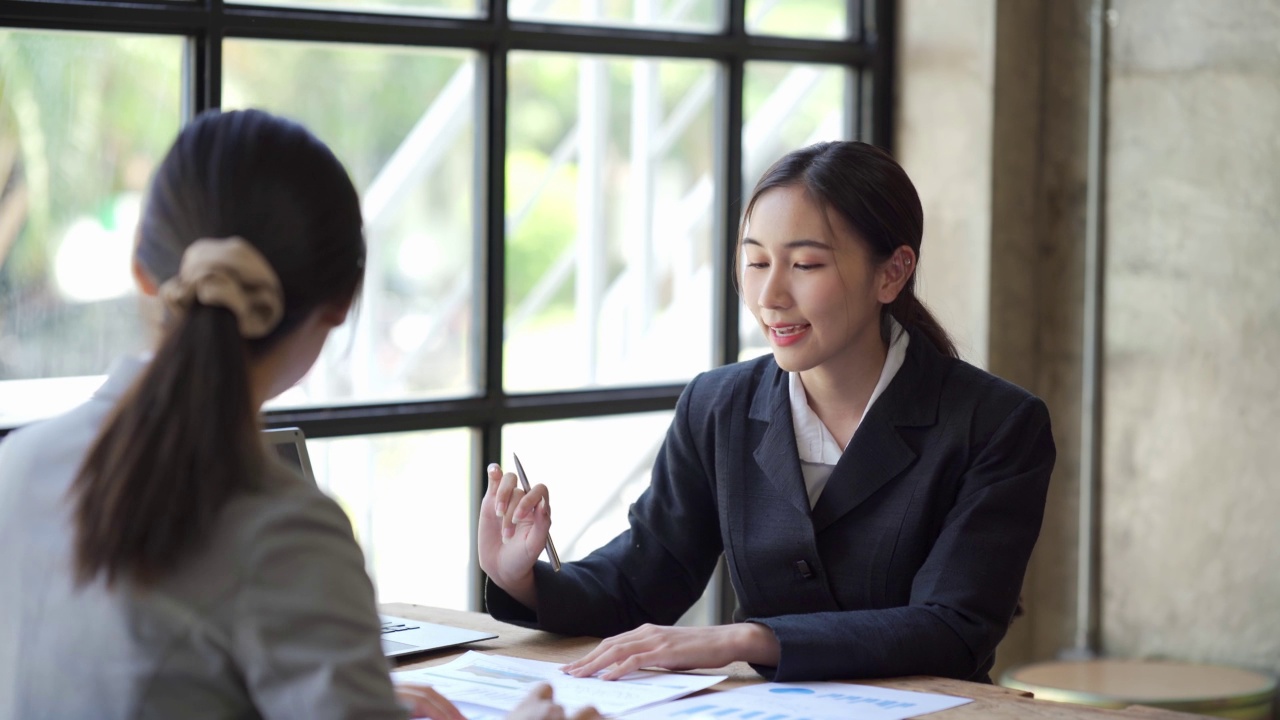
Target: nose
{"points": [[774, 294]]}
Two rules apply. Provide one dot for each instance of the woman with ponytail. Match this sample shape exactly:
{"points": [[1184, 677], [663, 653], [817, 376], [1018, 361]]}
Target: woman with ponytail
{"points": [[158, 562], [875, 498]]}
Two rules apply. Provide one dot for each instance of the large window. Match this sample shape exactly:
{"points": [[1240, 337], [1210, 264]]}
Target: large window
{"points": [[551, 191]]}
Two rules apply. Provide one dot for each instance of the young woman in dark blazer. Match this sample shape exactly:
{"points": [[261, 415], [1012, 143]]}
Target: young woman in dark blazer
{"points": [[876, 498]]}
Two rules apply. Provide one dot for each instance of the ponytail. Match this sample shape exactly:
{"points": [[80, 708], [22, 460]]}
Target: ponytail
{"points": [[911, 313], [178, 446]]}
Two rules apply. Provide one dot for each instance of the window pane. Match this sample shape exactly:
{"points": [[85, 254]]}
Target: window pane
{"points": [[687, 15], [826, 19], [410, 500], [610, 201], [594, 469], [785, 106], [403, 122], [84, 120], [448, 8]]}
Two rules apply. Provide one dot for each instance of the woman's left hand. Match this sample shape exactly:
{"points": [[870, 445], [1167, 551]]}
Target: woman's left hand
{"points": [[678, 648]]}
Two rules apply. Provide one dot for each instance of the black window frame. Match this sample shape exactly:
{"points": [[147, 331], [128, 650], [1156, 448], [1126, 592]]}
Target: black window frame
{"points": [[206, 23]]}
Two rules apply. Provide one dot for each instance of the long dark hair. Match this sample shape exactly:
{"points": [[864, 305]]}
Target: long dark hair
{"points": [[184, 438], [868, 188]]}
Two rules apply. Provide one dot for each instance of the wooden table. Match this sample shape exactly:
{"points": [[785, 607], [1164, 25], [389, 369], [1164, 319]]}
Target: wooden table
{"points": [[989, 701]]}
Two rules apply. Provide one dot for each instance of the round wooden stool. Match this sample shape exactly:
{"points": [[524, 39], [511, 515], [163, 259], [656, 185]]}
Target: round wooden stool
{"points": [[1205, 689]]}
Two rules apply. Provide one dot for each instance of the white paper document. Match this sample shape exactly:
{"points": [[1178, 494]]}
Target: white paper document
{"points": [[499, 682], [803, 701]]}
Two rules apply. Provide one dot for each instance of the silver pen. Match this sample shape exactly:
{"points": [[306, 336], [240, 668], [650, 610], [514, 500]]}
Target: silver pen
{"points": [[552, 555]]}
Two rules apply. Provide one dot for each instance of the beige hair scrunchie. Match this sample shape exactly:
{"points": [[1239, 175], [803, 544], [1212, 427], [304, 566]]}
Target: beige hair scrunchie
{"points": [[228, 273]]}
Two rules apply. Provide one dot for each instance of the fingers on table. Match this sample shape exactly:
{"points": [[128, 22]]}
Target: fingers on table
{"points": [[619, 655]]}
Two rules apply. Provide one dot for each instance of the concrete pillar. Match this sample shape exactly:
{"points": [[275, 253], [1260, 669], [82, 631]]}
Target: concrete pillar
{"points": [[992, 130], [943, 141], [1055, 182]]}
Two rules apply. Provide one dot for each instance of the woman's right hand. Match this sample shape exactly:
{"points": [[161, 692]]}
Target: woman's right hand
{"points": [[513, 532], [539, 706]]}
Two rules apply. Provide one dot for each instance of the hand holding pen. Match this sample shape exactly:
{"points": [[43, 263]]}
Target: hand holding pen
{"points": [[552, 556], [513, 531]]}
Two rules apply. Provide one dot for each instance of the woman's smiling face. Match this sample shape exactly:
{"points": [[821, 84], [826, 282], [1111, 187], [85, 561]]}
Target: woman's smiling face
{"points": [[810, 282]]}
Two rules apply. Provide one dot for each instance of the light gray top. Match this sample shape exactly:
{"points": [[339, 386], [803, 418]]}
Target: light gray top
{"points": [[274, 618]]}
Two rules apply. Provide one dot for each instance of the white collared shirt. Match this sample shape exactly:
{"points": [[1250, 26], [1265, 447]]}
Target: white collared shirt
{"points": [[819, 451]]}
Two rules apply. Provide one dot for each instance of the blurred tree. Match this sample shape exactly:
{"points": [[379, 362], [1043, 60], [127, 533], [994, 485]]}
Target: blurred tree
{"points": [[90, 114]]}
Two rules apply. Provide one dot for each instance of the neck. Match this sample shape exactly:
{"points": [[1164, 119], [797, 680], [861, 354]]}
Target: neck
{"points": [[264, 374], [259, 386], [838, 391]]}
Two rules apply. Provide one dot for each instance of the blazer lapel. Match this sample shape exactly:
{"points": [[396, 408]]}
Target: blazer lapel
{"points": [[776, 453], [878, 454]]}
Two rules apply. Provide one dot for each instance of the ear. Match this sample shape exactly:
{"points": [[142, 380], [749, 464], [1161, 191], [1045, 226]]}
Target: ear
{"points": [[334, 314], [145, 282], [893, 274]]}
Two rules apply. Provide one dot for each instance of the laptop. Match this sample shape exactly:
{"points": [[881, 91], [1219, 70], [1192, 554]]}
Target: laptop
{"points": [[400, 636]]}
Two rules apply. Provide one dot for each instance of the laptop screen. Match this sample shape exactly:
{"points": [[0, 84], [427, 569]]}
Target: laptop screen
{"points": [[290, 445]]}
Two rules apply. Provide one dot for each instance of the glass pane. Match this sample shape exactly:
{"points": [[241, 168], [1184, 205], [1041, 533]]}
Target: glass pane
{"points": [[826, 19], [687, 15], [84, 120], [594, 468], [785, 106], [403, 122], [410, 499], [448, 8], [611, 195]]}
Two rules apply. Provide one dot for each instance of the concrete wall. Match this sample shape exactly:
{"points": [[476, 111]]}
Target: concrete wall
{"points": [[1191, 534], [946, 51], [1191, 471]]}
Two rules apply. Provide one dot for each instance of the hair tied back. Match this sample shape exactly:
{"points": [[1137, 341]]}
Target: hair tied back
{"points": [[232, 274]]}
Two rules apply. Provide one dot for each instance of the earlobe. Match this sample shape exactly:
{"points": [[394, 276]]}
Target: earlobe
{"points": [[145, 282], [335, 314]]}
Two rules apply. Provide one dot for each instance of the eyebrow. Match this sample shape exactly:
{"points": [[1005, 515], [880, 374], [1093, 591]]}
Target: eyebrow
{"points": [[794, 244]]}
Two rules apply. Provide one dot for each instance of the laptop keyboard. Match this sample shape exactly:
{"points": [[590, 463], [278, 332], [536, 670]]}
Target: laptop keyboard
{"points": [[390, 627]]}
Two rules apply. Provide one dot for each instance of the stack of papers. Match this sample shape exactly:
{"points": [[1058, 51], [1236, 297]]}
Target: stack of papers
{"points": [[486, 687], [803, 701]]}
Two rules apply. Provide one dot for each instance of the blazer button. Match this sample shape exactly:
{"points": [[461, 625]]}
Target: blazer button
{"points": [[802, 568]]}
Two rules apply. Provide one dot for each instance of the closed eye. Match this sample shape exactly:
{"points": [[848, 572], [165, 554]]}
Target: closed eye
{"points": [[802, 266], [757, 265]]}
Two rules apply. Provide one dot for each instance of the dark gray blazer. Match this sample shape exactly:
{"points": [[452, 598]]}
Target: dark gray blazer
{"points": [[910, 563]]}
